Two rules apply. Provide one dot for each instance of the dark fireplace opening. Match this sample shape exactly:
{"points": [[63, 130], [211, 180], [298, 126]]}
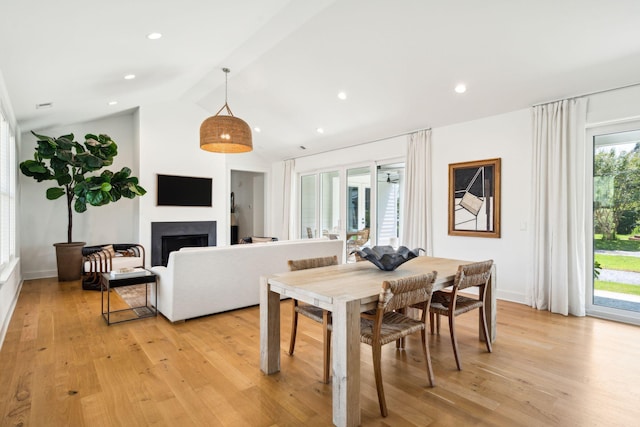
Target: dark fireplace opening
{"points": [[171, 236], [175, 243]]}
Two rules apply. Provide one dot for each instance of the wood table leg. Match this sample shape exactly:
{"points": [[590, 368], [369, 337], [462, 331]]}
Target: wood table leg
{"points": [[346, 363], [269, 328]]}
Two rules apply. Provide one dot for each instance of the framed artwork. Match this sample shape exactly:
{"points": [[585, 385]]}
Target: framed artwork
{"points": [[474, 198]]}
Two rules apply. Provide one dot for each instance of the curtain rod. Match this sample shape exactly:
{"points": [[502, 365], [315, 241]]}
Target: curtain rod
{"points": [[359, 143], [588, 94]]}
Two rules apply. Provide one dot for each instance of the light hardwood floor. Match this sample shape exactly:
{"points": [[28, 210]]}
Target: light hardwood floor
{"points": [[60, 365]]}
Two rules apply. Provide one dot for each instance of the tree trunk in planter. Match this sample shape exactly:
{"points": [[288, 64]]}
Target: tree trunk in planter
{"points": [[69, 259]]}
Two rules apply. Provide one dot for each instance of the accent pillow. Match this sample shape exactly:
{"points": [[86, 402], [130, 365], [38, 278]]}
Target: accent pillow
{"points": [[261, 239], [110, 250]]}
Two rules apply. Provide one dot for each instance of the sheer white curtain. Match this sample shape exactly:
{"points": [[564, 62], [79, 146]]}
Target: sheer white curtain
{"points": [[287, 189], [416, 223], [559, 207]]}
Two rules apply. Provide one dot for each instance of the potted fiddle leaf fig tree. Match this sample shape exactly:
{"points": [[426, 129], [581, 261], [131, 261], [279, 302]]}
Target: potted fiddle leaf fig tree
{"points": [[74, 167]]}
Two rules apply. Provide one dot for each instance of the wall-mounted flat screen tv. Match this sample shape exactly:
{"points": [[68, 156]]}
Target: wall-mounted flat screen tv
{"points": [[176, 190]]}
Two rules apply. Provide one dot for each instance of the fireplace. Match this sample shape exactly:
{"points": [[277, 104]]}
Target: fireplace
{"points": [[167, 237]]}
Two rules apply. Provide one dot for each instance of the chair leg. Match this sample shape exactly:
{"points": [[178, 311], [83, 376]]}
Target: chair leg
{"points": [[294, 328], [427, 356], [485, 330], [377, 357], [326, 336], [432, 318], [454, 342]]}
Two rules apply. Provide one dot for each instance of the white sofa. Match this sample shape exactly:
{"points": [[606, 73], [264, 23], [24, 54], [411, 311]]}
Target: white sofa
{"points": [[201, 281]]}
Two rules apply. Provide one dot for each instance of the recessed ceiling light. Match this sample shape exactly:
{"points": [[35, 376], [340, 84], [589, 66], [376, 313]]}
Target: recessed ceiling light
{"points": [[44, 105], [257, 129], [130, 77], [154, 36], [320, 130], [302, 147], [342, 95], [113, 102], [461, 88]]}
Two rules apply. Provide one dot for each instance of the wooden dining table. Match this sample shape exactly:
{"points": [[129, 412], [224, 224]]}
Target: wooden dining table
{"points": [[346, 290]]}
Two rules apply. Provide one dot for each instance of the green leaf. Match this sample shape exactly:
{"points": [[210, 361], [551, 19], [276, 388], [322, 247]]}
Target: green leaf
{"points": [[45, 150], [35, 169], [105, 187], [80, 205], [64, 155], [65, 142], [89, 162], [115, 193], [81, 188], [54, 193], [38, 168], [138, 190], [95, 198], [64, 179]]}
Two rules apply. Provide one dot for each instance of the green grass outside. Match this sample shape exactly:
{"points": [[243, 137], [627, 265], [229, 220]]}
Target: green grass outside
{"points": [[620, 288], [618, 262], [622, 244]]}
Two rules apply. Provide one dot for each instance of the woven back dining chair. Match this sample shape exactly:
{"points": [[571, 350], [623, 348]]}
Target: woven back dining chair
{"points": [[451, 304], [388, 322], [312, 312]]}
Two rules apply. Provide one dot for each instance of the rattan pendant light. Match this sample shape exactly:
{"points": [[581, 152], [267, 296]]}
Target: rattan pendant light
{"points": [[225, 133]]}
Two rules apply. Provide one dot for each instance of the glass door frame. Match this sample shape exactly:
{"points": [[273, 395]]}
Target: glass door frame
{"points": [[590, 308], [342, 169], [342, 174]]}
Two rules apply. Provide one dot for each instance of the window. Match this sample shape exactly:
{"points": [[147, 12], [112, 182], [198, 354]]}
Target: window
{"points": [[7, 192]]}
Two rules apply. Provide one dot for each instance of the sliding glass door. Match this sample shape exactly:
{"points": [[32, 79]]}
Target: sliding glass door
{"points": [[330, 204], [390, 184], [353, 204], [358, 210], [615, 292], [308, 203], [320, 205]]}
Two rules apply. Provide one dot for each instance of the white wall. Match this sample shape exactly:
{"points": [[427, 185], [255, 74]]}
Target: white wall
{"points": [[507, 136], [44, 222], [614, 106], [170, 144], [387, 149]]}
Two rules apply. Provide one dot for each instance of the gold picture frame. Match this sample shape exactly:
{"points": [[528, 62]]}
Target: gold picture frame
{"points": [[474, 198]]}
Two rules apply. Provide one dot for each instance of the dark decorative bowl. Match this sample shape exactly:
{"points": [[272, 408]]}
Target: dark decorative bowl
{"points": [[386, 258]]}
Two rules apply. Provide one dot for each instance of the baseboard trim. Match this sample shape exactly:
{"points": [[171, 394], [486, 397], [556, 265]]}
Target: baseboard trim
{"points": [[7, 320], [512, 296], [33, 275]]}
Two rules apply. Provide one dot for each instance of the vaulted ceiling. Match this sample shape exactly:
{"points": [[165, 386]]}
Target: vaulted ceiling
{"points": [[397, 61]]}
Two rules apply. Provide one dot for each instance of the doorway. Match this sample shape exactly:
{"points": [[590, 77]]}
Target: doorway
{"points": [[247, 205], [615, 290]]}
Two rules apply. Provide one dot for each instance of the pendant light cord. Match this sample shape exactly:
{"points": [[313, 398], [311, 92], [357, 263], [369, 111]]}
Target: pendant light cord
{"points": [[226, 90], [226, 84]]}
